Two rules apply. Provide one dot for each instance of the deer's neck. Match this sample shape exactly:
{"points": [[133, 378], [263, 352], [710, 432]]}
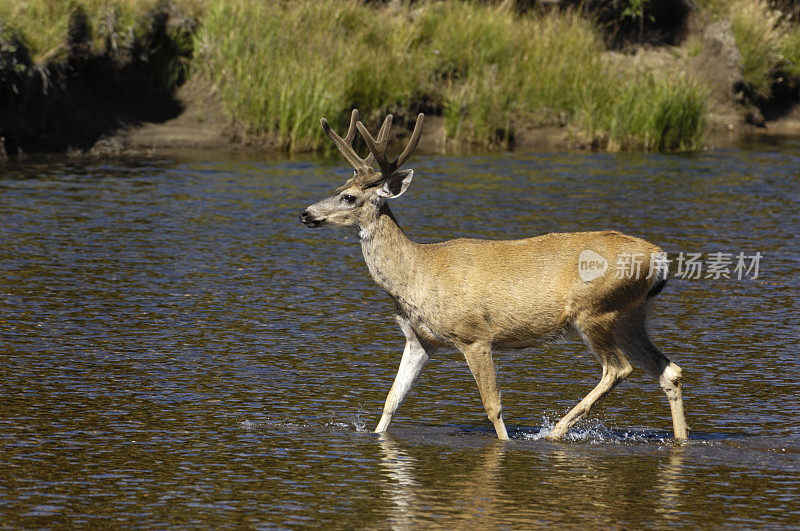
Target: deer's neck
{"points": [[393, 259]]}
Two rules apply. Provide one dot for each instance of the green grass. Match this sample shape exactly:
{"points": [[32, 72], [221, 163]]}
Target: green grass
{"points": [[759, 33], [43, 24], [282, 66], [790, 52], [532, 69], [768, 43], [657, 112]]}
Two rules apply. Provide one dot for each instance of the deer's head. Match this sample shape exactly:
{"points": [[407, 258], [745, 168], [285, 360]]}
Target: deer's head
{"points": [[357, 202]]}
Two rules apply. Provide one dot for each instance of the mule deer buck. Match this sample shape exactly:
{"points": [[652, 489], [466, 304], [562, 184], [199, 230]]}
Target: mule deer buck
{"points": [[481, 295]]}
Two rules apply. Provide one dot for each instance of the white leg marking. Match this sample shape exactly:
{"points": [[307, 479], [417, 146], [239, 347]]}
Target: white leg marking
{"points": [[415, 357]]}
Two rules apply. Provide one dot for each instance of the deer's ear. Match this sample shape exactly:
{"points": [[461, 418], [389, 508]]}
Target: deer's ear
{"points": [[396, 184]]}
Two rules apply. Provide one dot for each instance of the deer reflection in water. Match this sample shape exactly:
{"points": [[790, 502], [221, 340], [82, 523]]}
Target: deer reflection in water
{"points": [[472, 488]]}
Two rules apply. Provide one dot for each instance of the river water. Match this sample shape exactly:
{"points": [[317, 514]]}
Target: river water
{"points": [[177, 349]]}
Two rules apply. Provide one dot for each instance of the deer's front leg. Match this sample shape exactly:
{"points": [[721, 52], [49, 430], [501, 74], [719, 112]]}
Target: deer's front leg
{"points": [[415, 356]]}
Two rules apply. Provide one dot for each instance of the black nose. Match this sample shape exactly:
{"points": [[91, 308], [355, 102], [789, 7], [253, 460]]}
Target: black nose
{"points": [[308, 220]]}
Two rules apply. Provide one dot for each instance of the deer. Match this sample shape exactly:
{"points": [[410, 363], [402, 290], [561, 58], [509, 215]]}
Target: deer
{"points": [[481, 296]]}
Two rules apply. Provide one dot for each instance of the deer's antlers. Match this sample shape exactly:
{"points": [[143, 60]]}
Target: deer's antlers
{"points": [[378, 147], [345, 144]]}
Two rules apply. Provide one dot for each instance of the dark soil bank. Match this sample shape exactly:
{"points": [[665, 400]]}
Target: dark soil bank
{"points": [[79, 96]]}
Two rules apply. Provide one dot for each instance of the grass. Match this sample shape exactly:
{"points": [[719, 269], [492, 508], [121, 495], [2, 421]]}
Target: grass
{"points": [[760, 33], [281, 66], [137, 46], [534, 69], [43, 24], [490, 72], [658, 112], [768, 43], [790, 50]]}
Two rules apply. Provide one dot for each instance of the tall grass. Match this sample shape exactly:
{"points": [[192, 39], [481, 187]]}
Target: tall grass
{"points": [[43, 24], [510, 70], [281, 66], [768, 41], [545, 69], [760, 33], [790, 50], [656, 112]]}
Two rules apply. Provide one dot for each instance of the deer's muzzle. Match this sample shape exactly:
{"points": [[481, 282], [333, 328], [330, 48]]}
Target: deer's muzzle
{"points": [[309, 220]]}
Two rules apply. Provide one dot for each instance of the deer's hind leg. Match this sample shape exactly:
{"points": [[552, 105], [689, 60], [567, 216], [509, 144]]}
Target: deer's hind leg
{"points": [[615, 369], [479, 359], [632, 336]]}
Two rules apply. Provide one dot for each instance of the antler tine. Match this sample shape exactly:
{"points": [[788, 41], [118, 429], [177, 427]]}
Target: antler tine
{"points": [[345, 145], [412, 142], [383, 136], [383, 133], [351, 134], [378, 147], [351, 129]]}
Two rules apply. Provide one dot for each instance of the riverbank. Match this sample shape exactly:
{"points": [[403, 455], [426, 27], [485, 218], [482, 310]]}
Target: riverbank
{"points": [[147, 78]]}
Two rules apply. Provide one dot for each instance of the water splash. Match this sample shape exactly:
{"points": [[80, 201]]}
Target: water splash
{"points": [[359, 423], [250, 425], [592, 432], [355, 421], [258, 425]]}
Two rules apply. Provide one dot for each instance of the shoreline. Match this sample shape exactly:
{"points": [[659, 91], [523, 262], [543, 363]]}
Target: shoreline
{"points": [[140, 99], [202, 127]]}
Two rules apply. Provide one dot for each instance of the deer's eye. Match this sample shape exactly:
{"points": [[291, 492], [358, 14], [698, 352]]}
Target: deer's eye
{"points": [[347, 198]]}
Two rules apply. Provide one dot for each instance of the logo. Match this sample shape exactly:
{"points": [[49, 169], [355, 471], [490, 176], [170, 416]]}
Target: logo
{"points": [[591, 265]]}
